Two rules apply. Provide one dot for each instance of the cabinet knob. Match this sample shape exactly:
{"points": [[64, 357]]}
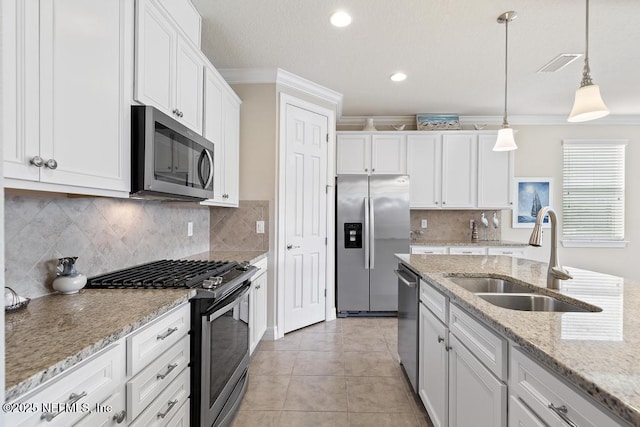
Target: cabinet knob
{"points": [[180, 114], [436, 203], [366, 169], [120, 416], [37, 161], [51, 164], [440, 339], [448, 347], [373, 169], [175, 112], [444, 203]]}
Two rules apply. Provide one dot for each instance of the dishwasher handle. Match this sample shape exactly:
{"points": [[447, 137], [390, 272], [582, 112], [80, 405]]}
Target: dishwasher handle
{"points": [[401, 275]]}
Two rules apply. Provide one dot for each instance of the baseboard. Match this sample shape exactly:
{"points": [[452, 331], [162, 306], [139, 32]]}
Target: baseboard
{"points": [[271, 333]]}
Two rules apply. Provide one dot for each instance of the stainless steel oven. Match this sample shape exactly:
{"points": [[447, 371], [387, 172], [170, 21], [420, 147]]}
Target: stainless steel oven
{"points": [[168, 160]]}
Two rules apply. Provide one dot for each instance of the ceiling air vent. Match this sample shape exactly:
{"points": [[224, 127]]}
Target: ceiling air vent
{"points": [[559, 62]]}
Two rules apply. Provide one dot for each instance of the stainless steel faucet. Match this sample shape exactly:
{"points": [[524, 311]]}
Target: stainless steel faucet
{"points": [[555, 273]]}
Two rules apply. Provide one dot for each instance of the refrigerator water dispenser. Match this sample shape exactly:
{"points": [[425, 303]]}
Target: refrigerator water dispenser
{"points": [[353, 235]]}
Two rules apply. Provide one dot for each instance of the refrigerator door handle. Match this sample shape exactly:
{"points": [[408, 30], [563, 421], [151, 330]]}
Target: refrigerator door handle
{"points": [[372, 258], [366, 233]]}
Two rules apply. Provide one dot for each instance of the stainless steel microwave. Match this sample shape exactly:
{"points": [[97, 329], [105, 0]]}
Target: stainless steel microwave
{"points": [[168, 160]]}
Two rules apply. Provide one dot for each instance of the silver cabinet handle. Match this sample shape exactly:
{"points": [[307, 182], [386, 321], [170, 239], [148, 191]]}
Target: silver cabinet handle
{"points": [[51, 164], [37, 161], [171, 404], [170, 368], [289, 247], [561, 411], [448, 347], [73, 398], [120, 416], [166, 334], [440, 339]]}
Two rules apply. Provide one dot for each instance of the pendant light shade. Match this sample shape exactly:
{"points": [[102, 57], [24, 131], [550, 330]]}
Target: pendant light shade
{"points": [[588, 104], [505, 140]]}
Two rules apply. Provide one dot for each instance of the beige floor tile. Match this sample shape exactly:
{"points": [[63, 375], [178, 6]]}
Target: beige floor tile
{"points": [[321, 342], [273, 362], [257, 418], [370, 364], [314, 419], [265, 393], [388, 322], [286, 343], [424, 421], [364, 343], [377, 394], [334, 326], [316, 393], [319, 363], [368, 419], [351, 323]]}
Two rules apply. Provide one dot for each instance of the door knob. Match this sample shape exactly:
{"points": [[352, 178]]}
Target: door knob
{"points": [[289, 247]]}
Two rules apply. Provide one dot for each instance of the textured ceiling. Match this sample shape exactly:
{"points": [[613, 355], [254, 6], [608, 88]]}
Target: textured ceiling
{"points": [[452, 51]]}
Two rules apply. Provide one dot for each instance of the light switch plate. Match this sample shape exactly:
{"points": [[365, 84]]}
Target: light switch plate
{"points": [[260, 227], [423, 223], [189, 228]]}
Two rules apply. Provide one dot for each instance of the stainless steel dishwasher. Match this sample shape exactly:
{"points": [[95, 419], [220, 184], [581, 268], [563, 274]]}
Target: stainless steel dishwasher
{"points": [[408, 309]]}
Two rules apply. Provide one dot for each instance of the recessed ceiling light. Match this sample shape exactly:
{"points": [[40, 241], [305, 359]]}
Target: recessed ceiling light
{"points": [[340, 19], [398, 77]]}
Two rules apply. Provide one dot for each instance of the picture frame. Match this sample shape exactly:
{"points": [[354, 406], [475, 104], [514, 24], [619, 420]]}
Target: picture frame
{"points": [[530, 194], [437, 122]]}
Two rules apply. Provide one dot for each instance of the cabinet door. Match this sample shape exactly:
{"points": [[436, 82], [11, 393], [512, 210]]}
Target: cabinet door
{"points": [[388, 154], [156, 40], [353, 154], [258, 321], [424, 166], [189, 81], [459, 171], [495, 174], [476, 397], [84, 92], [433, 367], [213, 129], [231, 111], [521, 416]]}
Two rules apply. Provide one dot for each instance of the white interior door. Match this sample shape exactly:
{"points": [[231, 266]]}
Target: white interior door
{"points": [[305, 228]]}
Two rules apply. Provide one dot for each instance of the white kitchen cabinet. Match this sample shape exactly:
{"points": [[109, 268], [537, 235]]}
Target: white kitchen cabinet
{"points": [[495, 175], [434, 367], [428, 250], [476, 396], [222, 127], [424, 166], [185, 14], [521, 416], [169, 68], [109, 413], [371, 154], [515, 251], [467, 250], [459, 171], [542, 391], [258, 305], [63, 131]]}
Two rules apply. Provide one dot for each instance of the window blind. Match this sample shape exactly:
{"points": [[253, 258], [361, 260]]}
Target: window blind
{"points": [[593, 190]]}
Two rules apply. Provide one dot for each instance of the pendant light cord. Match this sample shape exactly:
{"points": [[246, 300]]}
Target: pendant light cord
{"points": [[586, 72], [506, 50]]}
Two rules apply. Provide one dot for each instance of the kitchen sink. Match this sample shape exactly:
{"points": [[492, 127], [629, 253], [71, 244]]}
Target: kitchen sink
{"points": [[489, 285], [530, 302]]}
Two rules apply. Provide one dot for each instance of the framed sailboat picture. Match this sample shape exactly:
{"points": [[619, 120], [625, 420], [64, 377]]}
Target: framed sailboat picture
{"points": [[531, 194]]}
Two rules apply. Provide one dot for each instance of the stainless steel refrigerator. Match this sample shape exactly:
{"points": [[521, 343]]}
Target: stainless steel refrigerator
{"points": [[372, 224]]}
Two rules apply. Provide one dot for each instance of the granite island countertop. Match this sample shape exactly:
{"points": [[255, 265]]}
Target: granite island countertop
{"points": [[55, 332], [599, 352]]}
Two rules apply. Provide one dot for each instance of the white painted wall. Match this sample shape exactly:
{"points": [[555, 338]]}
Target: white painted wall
{"points": [[540, 154]]}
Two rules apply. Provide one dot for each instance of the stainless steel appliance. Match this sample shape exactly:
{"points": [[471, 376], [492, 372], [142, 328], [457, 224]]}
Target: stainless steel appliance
{"points": [[168, 160], [219, 334], [372, 225], [408, 310]]}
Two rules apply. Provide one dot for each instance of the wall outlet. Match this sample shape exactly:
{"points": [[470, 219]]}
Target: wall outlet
{"points": [[260, 227], [471, 223], [189, 228], [423, 223]]}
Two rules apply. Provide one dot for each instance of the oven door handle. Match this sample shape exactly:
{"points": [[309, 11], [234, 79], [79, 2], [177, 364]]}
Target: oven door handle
{"points": [[219, 312]]}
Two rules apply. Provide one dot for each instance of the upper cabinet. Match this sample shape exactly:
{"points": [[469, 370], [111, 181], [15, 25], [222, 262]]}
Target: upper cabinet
{"points": [[169, 68], [222, 127], [495, 174], [459, 171], [367, 154], [67, 87]]}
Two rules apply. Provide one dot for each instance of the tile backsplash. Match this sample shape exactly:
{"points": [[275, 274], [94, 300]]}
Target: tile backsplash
{"points": [[234, 229], [106, 234], [446, 225]]}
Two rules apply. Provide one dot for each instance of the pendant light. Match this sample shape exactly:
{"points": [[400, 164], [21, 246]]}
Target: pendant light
{"points": [[505, 141], [588, 104]]}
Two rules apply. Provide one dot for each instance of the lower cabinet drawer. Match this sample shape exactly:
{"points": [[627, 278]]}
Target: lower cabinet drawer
{"points": [[181, 418], [427, 250], [464, 250], [166, 406], [434, 300], [147, 385], [153, 340], [109, 413], [541, 391], [71, 396], [519, 252], [485, 344]]}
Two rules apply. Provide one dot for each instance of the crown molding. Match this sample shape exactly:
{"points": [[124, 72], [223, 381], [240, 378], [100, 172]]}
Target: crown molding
{"points": [[283, 78]]}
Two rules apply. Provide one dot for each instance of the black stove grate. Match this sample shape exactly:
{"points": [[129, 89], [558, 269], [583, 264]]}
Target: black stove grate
{"points": [[165, 274]]}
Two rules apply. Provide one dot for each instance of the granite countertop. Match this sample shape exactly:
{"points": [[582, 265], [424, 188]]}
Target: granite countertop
{"points": [[55, 332], [466, 243], [241, 256], [598, 352]]}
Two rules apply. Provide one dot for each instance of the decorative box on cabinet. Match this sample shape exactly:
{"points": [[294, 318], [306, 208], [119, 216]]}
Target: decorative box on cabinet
{"points": [[63, 132], [169, 68], [371, 154]]}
